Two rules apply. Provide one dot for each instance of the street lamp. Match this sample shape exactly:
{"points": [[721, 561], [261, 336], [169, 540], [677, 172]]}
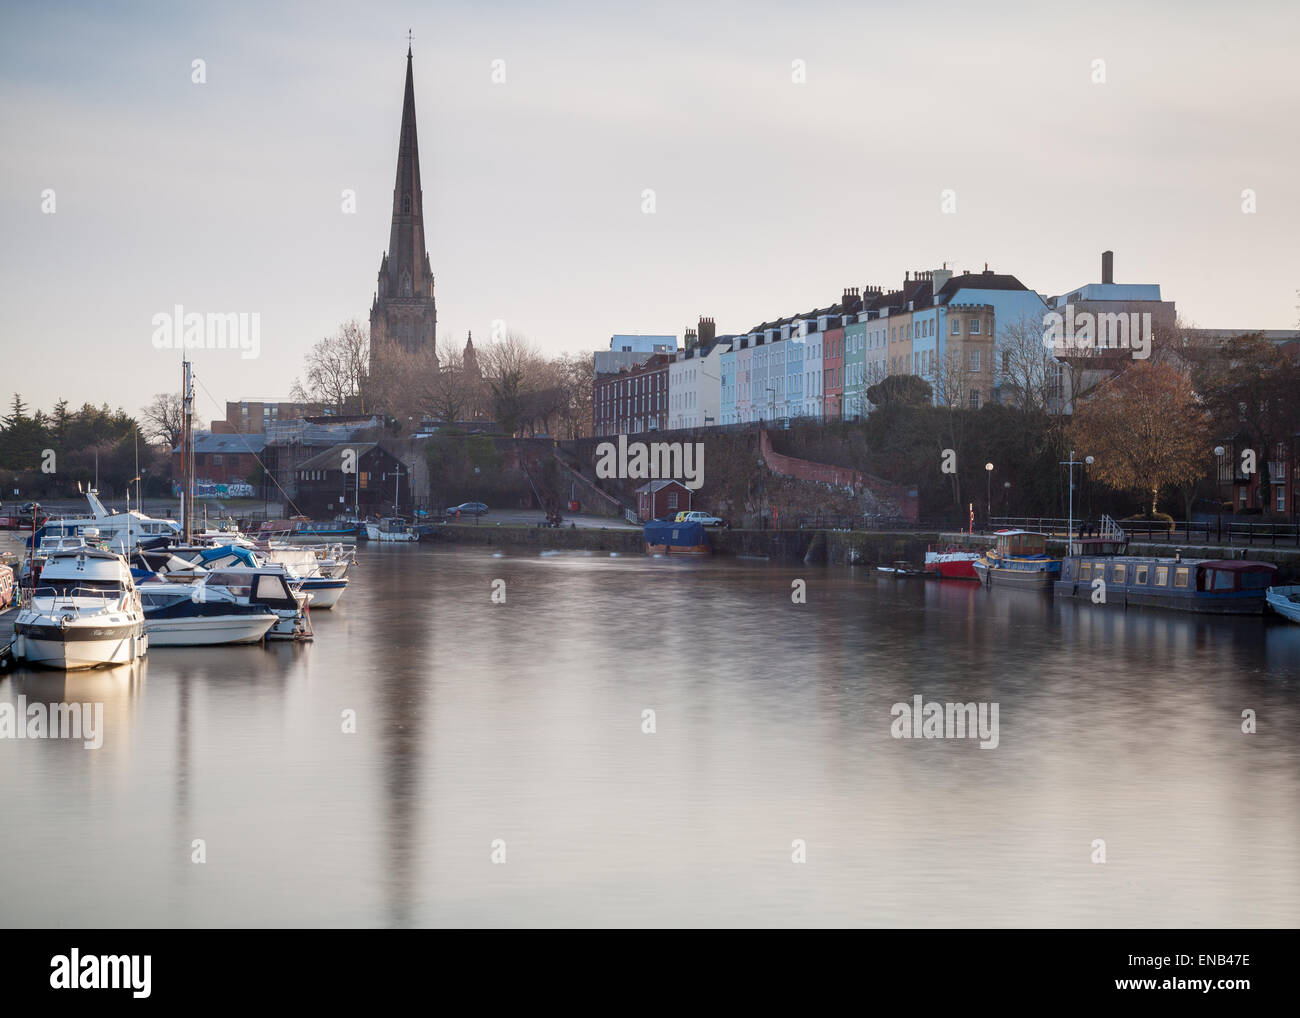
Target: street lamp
{"points": [[988, 492], [1006, 497], [1218, 487], [1069, 527]]}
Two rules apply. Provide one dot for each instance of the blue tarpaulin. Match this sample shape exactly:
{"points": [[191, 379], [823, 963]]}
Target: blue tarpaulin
{"points": [[675, 535]]}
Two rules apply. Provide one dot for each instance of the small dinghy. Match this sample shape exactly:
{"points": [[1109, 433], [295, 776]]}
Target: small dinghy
{"points": [[902, 570], [1285, 601]]}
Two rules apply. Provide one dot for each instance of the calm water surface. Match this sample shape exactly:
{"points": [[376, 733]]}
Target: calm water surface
{"points": [[522, 722]]}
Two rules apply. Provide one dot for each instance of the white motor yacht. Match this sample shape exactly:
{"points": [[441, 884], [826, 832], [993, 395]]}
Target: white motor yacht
{"points": [[84, 612]]}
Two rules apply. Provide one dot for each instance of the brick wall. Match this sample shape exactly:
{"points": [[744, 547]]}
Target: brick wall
{"points": [[902, 501]]}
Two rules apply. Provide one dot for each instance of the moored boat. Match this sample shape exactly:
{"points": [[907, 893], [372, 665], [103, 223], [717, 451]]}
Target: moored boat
{"points": [[952, 563], [323, 591], [1018, 559], [391, 528], [120, 531], [1285, 601], [195, 615], [1213, 586], [85, 612], [667, 537], [902, 570]]}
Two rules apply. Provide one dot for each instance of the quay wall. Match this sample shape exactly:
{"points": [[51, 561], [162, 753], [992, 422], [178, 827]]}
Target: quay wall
{"points": [[786, 546], [828, 547]]}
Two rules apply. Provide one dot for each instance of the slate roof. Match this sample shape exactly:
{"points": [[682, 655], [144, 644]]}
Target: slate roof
{"points": [[987, 280], [332, 459], [207, 442], [657, 485]]}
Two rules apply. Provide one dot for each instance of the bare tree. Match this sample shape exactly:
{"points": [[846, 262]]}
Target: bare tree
{"points": [[448, 393], [510, 377], [951, 380], [164, 419], [1029, 370], [336, 369], [400, 382]]}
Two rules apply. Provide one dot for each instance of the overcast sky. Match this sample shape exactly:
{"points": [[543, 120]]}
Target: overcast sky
{"points": [[771, 196]]}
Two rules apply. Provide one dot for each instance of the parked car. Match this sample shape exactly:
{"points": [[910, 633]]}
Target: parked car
{"points": [[468, 509], [698, 517]]}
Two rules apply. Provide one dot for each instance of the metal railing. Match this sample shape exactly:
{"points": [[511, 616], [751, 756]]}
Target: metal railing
{"points": [[63, 600], [1224, 530]]}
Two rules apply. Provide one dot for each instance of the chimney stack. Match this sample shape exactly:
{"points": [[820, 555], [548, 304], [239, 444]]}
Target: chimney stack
{"points": [[708, 331], [1108, 266]]}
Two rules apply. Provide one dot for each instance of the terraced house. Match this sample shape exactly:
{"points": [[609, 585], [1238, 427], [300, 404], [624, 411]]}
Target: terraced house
{"points": [[695, 379], [951, 329]]}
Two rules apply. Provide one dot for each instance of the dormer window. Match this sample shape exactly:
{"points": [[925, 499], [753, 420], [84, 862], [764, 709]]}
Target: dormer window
{"points": [[406, 204], [404, 287]]}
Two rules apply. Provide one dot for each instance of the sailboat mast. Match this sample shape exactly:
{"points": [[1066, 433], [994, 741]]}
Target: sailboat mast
{"points": [[187, 450]]}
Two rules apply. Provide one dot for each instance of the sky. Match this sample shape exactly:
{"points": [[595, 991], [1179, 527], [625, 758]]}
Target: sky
{"points": [[770, 194]]}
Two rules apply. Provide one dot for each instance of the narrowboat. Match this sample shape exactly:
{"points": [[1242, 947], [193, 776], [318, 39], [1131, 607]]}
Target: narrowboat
{"points": [[1018, 559], [667, 537], [300, 528], [1214, 586]]}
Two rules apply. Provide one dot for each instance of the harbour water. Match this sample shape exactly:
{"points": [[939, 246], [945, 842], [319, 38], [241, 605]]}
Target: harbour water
{"points": [[515, 730]]}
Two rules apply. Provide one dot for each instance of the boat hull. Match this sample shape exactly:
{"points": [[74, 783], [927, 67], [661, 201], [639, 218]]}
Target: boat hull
{"points": [[694, 550], [210, 631], [325, 593], [951, 567], [75, 648], [375, 534], [1019, 579], [1200, 603], [1279, 599]]}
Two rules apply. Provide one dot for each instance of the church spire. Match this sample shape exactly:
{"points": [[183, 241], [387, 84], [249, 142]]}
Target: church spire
{"points": [[404, 309], [406, 239]]}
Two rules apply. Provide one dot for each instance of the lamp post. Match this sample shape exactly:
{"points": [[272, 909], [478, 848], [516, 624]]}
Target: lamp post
{"points": [[1069, 527], [1218, 489], [1006, 498], [988, 492]]}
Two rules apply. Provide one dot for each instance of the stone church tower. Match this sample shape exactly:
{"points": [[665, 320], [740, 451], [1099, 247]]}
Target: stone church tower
{"points": [[404, 311]]}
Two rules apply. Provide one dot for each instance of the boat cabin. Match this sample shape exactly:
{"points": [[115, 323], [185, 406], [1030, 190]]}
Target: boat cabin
{"points": [[1021, 544]]}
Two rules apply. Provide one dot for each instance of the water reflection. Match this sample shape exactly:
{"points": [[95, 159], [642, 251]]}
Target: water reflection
{"points": [[523, 722]]}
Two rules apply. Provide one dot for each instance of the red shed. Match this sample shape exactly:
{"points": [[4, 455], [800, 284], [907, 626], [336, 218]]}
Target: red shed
{"points": [[657, 499]]}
